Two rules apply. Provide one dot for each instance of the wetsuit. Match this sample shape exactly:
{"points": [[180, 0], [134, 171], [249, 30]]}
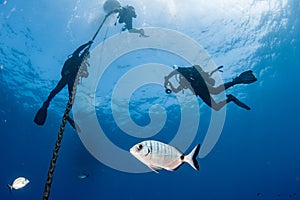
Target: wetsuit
{"points": [[125, 16], [199, 85], [68, 73]]}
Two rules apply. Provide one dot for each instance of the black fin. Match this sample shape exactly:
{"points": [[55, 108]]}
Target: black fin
{"points": [[9, 187], [237, 102], [191, 158], [40, 116], [246, 77], [194, 158]]}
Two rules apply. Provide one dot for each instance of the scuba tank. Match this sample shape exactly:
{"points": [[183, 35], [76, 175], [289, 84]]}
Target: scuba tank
{"points": [[193, 74], [207, 75]]}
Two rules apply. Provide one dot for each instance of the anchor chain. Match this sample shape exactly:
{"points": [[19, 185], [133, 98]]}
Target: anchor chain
{"points": [[61, 132], [65, 117]]}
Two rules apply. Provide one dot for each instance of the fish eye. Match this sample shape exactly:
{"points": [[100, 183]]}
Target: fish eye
{"points": [[139, 147]]}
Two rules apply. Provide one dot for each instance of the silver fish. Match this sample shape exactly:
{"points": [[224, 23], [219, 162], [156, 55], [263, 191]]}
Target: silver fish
{"points": [[83, 175], [157, 155], [18, 183]]}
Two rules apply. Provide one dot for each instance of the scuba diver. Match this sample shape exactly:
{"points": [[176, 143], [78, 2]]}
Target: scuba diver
{"points": [[68, 76], [125, 15], [202, 84]]}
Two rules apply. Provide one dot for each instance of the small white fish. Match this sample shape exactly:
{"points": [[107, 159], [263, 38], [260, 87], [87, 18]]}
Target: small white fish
{"points": [[83, 175], [18, 183], [157, 155]]}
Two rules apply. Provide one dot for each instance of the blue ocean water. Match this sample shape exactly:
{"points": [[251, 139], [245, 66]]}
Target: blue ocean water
{"points": [[257, 155]]}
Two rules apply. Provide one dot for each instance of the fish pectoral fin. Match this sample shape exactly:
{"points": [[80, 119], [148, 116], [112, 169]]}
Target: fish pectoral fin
{"points": [[153, 168]]}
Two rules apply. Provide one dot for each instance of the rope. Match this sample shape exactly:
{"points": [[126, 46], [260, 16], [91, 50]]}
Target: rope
{"points": [[64, 121], [60, 136], [106, 16]]}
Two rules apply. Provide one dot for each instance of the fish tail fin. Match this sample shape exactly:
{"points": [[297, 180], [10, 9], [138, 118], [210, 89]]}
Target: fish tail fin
{"points": [[9, 187], [191, 158]]}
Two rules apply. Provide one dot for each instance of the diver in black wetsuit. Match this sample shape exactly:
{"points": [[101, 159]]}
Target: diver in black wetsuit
{"points": [[202, 84], [68, 75], [125, 15]]}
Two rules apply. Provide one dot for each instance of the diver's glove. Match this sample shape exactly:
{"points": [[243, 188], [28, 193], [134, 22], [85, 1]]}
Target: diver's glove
{"points": [[90, 42]]}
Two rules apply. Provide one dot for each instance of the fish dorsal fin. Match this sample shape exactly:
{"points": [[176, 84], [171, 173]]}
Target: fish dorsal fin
{"points": [[155, 169]]}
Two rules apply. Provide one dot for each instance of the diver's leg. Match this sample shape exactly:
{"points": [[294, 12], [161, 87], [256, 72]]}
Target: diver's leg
{"points": [[139, 31], [218, 106], [73, 124], [246, 77], [230, 98], [220, 88], [208, 100], [229, 84], [128, 26], [41, 115], [60, 85], [70, 87], [70, 120]]}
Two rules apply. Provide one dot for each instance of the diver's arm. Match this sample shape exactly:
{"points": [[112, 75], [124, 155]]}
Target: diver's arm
{"points": [[173, 73], [176, 90], [79, 49], [169, 84]]}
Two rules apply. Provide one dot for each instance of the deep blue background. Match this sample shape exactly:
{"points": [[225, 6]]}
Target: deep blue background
{"points": [[257, 156]]}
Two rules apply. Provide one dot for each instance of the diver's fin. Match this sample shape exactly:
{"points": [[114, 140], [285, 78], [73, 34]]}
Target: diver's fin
{"points": [[191, 158], [41, 115], [237, 102], [246, 77]]}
